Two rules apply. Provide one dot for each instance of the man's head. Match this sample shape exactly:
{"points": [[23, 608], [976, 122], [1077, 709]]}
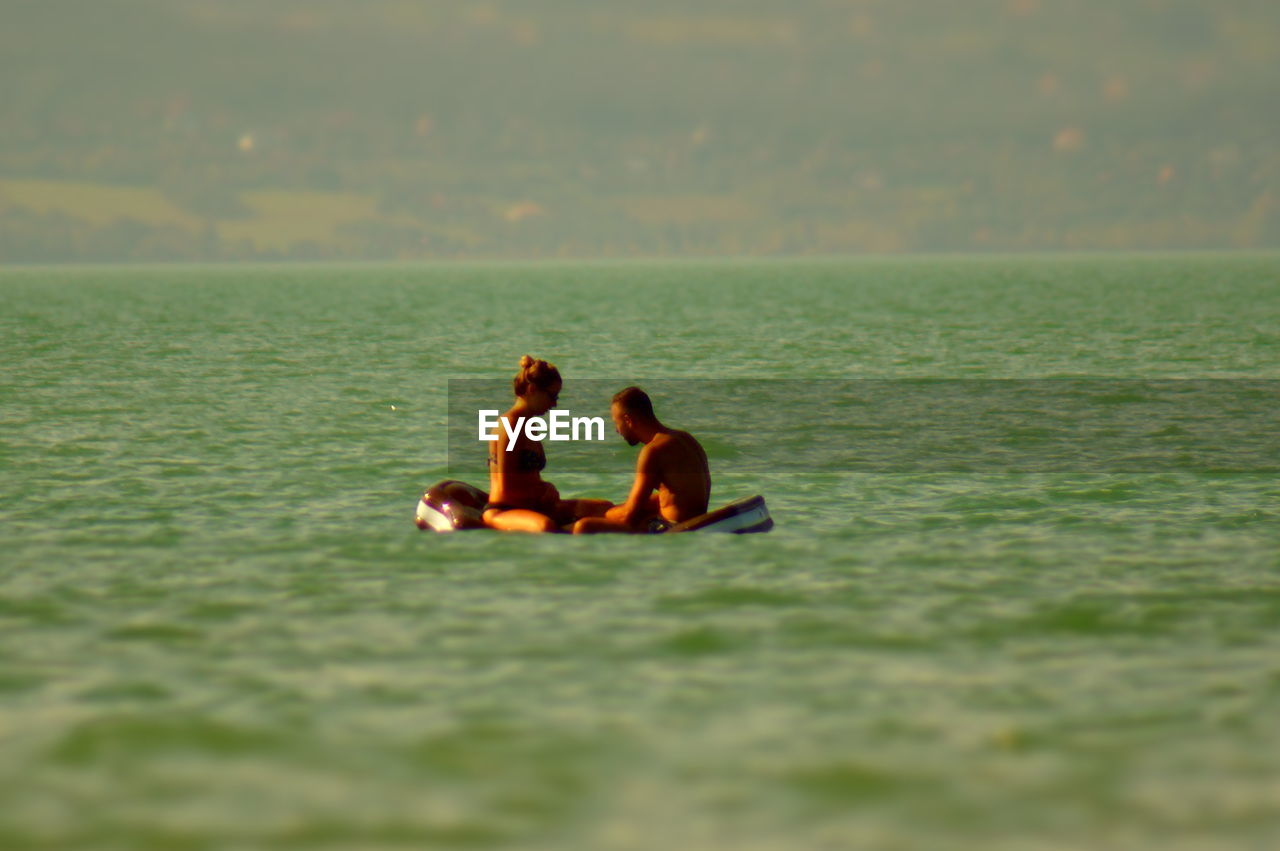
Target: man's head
{"points": [[632, 412]]}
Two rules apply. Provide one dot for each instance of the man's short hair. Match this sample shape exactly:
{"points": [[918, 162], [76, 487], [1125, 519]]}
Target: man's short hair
{"points": [[636, 402]]}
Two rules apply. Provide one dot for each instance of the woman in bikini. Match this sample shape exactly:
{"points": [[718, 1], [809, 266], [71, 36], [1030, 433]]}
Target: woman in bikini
{"points": [[519, 500]]}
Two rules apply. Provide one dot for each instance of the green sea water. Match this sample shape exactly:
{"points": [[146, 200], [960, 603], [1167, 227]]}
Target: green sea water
{"points": [[219, 628]]}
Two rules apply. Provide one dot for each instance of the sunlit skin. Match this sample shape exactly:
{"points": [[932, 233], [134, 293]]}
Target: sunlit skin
{"points": [[672, 462], [511, 485], [540, 508]]}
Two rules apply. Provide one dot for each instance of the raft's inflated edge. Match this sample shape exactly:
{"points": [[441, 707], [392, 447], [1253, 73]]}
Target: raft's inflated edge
{"points": [[452, 506]]}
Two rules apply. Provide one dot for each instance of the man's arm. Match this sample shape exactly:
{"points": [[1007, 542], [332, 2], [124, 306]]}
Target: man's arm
{"points": [[635, 510], [631, 515]]}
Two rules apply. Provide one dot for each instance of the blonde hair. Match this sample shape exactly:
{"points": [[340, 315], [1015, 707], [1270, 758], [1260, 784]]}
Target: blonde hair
{"points": [[534, 373]]}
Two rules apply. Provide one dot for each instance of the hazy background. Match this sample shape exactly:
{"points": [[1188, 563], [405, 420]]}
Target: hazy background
{"points": [[389, 129]]}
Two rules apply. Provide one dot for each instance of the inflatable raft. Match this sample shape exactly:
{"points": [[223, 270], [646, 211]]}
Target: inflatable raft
{"points": [[453, 506]]}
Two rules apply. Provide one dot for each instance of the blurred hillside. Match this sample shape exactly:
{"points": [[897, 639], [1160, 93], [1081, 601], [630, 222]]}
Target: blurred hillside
{"points": [[392, 129]]}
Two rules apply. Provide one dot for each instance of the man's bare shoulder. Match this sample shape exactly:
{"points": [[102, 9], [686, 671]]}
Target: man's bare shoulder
{"points": [[651, 455], [669, 440], [684, 439], [685, 436], [675, 444]]}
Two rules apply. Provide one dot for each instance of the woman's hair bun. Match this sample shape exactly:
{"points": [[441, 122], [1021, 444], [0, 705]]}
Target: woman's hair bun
{"points": [[534, 373]]}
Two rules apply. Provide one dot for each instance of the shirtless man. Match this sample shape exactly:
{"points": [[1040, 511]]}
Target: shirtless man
{"points": [[672, 461]]}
